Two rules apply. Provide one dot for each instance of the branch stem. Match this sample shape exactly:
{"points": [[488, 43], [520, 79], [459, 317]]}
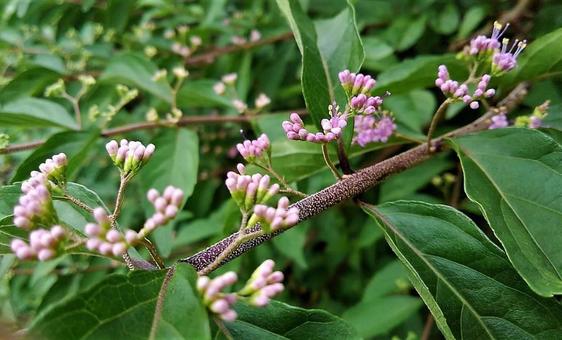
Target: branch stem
{"points": [[436, 118], [329, 163]]}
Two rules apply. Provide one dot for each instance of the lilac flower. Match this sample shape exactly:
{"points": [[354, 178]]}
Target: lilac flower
{"points": [[453, 90], [54, 168], [263, 284], [252, 149], [535, 122], [332, 128], [35, 206], [369, 129], [506, 60], [499, 121], [354, 84], [43, 244], [366, 105], [247, 190], [218, 302], [166, 205], [129, 156], [272, 219], [483, 44]]}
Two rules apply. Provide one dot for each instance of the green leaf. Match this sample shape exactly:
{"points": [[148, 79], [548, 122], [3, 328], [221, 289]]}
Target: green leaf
{"points": [[515, 176], [9, 196], [281, 321], [140, 305], [72, 215], [35, 112], [292, 245], [379, 299], [447, 19], [418, 72], [470, 21], [542, 57], [405, 31], [200, 93], [135, 70], [28, 83], [466, 281], [76, 146], [8, 232], [327, 48], [175, 162], [413, 109]]}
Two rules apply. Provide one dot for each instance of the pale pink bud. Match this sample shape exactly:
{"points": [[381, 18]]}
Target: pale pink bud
{"points": [[45, 254], [100, 215], [202, 283], [152, 195], [105, 248], [57, 232], [229, 316], [24, 253], [112, 148], [160, 204], [113, 236], [168, 193], [148, 151], [22, 222], [119, 248], [171, 211], [93, 243], [275, 277], [220, 306], [177, 197], [16, 244], [131, 236], [92, 229]]}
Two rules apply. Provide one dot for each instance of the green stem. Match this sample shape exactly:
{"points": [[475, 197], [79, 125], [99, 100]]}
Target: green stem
{"points": [[286, 188], [436, 118], [153, 253], [329, 163]]}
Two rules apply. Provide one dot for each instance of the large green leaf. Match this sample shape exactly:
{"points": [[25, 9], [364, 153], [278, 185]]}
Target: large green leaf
{"points": [[35, 112], [281, 321], [327, 48], [515, 176], [175, 162], [140, 305], [379, 299], [76, 145], [466, 281], [200, 93], [135, 70]]}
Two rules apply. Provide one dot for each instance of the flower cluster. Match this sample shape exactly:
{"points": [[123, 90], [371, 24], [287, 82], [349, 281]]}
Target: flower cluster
{"points": [[247, 190], [354, 84], [535, 120], [263, 284], [499, 121], [258, 290], [484, 47], [506, 60], [365, 105], [129, 156], [35, 206], [252, 149], [218, 302], [55, 168], [102, 238], [482, 44], [272, 219], [452, 89], [43, 244], [369, 129], [332, 128], [166, 205]]}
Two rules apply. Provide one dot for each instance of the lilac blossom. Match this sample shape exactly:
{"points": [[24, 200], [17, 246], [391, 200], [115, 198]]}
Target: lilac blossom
{"points": [[35, 206], [216, 301], [506, 60], [483, 44], [456, 91], [247, 190], [263, 284], [365, 105], [332, 128], [252, 149], [356, 83], [43, 244], [498, 121], [369, 129], [272, 219], [166, 205], [129, 156], [101, 237], [54, 168]]}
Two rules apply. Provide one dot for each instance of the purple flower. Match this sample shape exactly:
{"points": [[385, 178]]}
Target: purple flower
{"points": [[252, 149], [367, 105], [35, 206], [369, 129], [129, 156], [247, 190], [272, 219], [499, 121], [506, 60], [213, 297], [483, 44], [356, 83], [43, 244], [332, 128], [453, 90]]}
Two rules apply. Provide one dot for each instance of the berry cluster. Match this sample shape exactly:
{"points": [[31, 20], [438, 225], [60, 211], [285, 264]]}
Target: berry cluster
{"points": [[365, 105]]}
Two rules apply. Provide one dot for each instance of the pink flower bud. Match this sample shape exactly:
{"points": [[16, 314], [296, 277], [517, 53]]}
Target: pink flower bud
{"points": [[106, 248], [112, 148], [16, 244], [220, 306], [24, 253], [131, 236], [171, 211], [474, 105], [275, 277], [119, 248], [93, 244], [202, 283], [45, 254], [160, 204], [113, 236], [57, 232], [148, 151], [139, 152], [22, 222], [100, 215], [92, 229], [159, 219], [168, 193], [152, 195], [229, 316], [177, 197]]}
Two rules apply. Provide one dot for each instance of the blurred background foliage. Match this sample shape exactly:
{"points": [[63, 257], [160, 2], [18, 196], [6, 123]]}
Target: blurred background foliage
{"points": [[336, 261]]}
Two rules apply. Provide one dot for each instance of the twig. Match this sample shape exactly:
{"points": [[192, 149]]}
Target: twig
{"points": [[427, 327], [210, 56], [21, 147], [436, 118], [78, 203], [351, 186], [119, 199]]}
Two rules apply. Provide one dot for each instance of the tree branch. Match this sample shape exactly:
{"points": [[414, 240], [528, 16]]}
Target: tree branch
{"points": [[353, 185]]}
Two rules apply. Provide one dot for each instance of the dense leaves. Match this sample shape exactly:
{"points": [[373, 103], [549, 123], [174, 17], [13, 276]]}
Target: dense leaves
{"points": [[466, 281], [515, 177]]}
